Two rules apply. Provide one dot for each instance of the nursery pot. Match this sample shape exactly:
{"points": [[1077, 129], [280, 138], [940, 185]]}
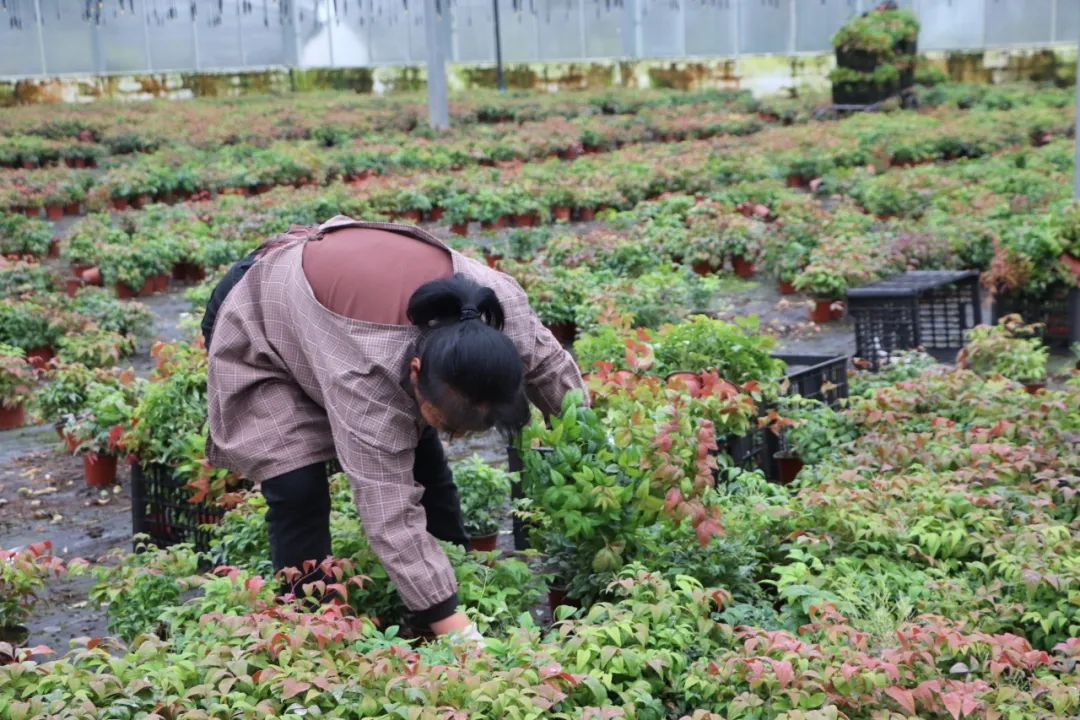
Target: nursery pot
{"points": [[411, 216], [161, 282], [588, 214], [822, 311], [71, 208], [72, 285], [1034, 388], [788, 465], [460, 228], [557, 597], [54, 248], [743, 268], [435, 214], [794, 181], [525, 219], [564, 332], [125, 293], [70, 442], [120, 203], [99, 470], [39, 357], [483, 543], [32, 212], [14, 634], [12, 417], [77, 269], [91, 275], [492, 260], [141, 200], [561, 213], [54, 212], [702, 267], [787, 287]]}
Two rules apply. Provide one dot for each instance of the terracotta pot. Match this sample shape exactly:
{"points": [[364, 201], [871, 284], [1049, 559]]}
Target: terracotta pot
{"points": [[526, 219], [12, 417], [564, 332], [161, 282], [99, 470], [32, 212], [435, 214], [78, 163], [54, 212], [497, 224], [788, 466], [91, 275], [702, 267], [561, 213], [39, 357], [743, 268], [822, 311], [140, 201], [77, 268], [684, 380], [492, 260], [485, 543], [412, 217], [54, 248], [837, 312], [263, 187], [1034, 388], [72, 208], [71, 286], [70, 442], [794, 181], [29, 164], [460, 229], [124, 292], [120, 203], [588, 214], [786, 287]]}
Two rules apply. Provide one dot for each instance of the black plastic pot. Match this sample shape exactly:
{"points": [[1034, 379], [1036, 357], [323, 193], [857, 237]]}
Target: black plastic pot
{"points": [[858, 60]]}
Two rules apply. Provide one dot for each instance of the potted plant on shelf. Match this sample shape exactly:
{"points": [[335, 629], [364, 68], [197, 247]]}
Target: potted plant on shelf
{"points": [[1011, 349], [485, 497], [826, 286], [15, 383]]}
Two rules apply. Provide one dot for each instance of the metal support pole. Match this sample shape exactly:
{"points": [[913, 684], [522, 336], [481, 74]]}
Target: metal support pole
{"points": [[39, 21], [1076, 138], [499, 81], [240, 35], [146, 36], [330, 30], [436, 13]]}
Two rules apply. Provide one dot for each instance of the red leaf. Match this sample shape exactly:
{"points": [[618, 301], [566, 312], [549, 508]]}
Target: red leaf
{"points": [[783, 671], [903, 698], [954, 703], [672, 499], [706, 530], [292, 688]]}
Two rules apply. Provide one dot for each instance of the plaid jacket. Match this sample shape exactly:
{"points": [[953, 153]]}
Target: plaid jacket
{"points": [[291, 384]]}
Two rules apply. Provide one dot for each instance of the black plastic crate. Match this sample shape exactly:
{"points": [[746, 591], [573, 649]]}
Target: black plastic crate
{"points": [[160, 509], [1059, 313], [928, 309], [817, 377]]}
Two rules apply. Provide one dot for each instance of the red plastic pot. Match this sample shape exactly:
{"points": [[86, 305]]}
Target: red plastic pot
{"points": [[124, 292], [32, 212], [526, 219], [78, 163], [160, 282], [91, 275], [54, 248], [588, 214], [564, 332], [561, 213], [702, 267], [70, 442], [1034, 388], [140, 201], [557, 597], [29, 164], [484, 543], [98, 469], [492, 260], [12, 417], [794, 181], [411, 216], [120, 203], [460, 229], [435, 214], [71, 286], [787, 287], [78, 268], [822, 311], [39, 357], [743, 268], [497, 224], [71, 208], [788, 466], [54, 212]]}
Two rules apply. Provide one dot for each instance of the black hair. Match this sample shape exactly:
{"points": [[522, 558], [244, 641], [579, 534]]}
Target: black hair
{"points": [[469, 369]]}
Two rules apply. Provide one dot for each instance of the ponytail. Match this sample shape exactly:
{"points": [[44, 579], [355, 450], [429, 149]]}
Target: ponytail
{"points": [[468, 367]]}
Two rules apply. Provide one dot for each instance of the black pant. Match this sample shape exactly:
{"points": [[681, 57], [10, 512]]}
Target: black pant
{"points": [[298, 502]]}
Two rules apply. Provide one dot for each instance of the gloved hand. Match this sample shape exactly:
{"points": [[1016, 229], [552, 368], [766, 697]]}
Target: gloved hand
{"points": [[468, 636]]}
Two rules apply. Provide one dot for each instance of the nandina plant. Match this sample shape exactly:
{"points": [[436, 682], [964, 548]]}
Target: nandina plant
{"points": [[16, 377], [22, 577]]}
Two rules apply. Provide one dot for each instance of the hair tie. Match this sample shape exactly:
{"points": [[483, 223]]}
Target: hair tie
{"points": [[469, 313]]}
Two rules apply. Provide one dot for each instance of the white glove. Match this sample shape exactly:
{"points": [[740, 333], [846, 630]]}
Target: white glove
{"points": [[468, 635]]}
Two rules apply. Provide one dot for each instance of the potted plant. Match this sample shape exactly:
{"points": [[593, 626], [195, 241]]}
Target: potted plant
{"points": [[20, 235], [741, 240], [15, 381], [32, 326], [810, 432], [22, 576], [97, 430], [826, 286], [556, 298], [1011, 349], [64, 394], [95, 347], [485, 497], [458, 211]]}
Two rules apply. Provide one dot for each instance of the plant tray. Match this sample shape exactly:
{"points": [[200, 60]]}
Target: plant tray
{"points": [[1060, 313], [817, 377], [160, 509], [928, 309]]}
